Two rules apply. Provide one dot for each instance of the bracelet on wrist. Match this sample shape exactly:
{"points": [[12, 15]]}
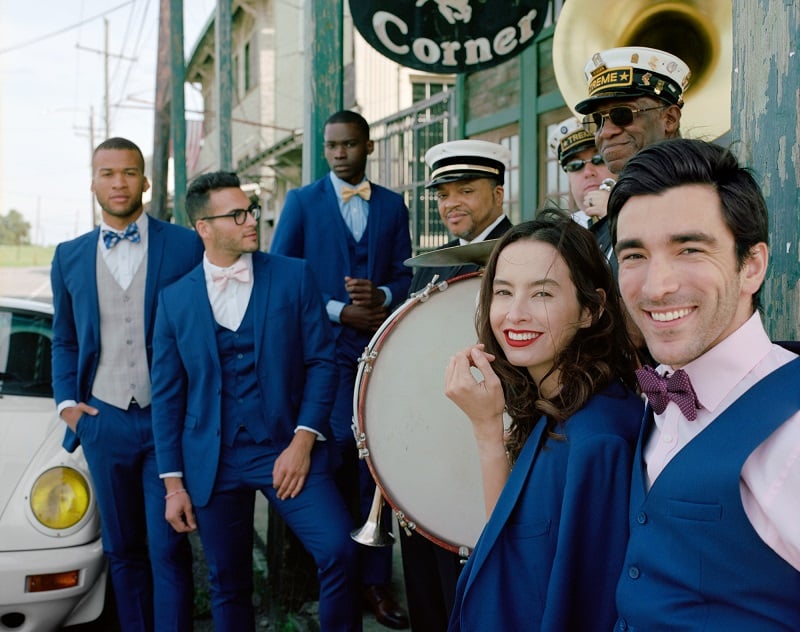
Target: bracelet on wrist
{"points": [[175, 493]]}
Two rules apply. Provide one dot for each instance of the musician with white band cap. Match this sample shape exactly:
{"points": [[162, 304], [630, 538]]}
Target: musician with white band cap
{"points": [[590, 180], [635, 96], [467, 178]]}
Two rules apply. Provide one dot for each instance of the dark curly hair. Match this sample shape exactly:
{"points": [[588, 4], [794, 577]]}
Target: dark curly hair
{"points": [[596, 356]]}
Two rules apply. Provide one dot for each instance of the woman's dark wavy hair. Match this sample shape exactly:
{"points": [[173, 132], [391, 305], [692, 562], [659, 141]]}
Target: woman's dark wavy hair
{"points": [[596, 356], [681, 161]]}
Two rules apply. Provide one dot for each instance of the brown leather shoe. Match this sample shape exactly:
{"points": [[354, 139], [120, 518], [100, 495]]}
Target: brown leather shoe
{"points": [[386, 610]]}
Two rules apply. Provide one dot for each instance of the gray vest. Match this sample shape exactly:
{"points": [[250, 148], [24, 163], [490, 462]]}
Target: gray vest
{"points": [[122, 371]]}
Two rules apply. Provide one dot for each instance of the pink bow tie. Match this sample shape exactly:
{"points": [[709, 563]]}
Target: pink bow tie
{"points": [[363, 191], [675, 387], [237, 272]]}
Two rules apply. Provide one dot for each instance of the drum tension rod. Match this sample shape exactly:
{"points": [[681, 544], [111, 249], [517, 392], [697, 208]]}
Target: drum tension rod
{"points": [[425, 293], [368, 359], [407, 525], [361, 440]]}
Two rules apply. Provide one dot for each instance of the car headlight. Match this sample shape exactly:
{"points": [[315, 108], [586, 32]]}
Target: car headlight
{"points": [[60, 497]]}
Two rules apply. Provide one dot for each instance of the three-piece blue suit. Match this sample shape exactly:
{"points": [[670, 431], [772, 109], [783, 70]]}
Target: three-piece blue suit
{"points": [[311, 227], [118, 444], [551, 552], [292, 383]]}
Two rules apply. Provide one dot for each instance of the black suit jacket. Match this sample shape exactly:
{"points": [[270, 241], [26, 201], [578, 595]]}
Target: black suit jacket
{"points": [[423, 276]]}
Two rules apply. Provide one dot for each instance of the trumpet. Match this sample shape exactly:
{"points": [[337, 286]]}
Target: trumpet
{"points": [[371, 533]]}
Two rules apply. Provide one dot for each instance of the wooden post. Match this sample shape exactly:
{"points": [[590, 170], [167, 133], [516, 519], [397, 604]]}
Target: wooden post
{"points": [[766, 136]]}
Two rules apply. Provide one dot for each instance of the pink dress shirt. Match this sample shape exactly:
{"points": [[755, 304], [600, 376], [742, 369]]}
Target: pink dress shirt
{"points": [[770, 478]]}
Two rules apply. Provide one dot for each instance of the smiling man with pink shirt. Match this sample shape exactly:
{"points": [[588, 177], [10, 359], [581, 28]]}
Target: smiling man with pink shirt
{"points": [[714, 517]]}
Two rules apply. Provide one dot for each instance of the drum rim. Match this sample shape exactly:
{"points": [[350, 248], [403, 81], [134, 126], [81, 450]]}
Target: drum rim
{"points": [[359, 403]]}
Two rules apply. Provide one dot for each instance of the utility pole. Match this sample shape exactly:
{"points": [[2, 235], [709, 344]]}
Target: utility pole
{"points": [[106, 89], [105, 81], [91, 161]]}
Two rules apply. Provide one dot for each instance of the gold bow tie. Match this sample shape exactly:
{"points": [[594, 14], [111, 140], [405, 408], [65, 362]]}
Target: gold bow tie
{"points": [[362, 190]]}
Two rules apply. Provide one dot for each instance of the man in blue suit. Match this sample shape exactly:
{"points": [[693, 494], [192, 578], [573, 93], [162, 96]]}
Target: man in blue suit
{"points": [[355, 236], [244, 378], [105, 284]]}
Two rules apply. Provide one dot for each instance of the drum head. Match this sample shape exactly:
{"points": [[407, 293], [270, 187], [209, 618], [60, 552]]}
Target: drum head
{"points": [[422, 450]]}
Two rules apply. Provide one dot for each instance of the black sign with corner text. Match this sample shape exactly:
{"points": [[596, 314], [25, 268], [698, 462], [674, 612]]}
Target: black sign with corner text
{"points": [[449, 36]]}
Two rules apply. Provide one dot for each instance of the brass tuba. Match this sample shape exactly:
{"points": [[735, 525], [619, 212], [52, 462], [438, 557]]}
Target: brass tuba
{"points": [[699, 32]]}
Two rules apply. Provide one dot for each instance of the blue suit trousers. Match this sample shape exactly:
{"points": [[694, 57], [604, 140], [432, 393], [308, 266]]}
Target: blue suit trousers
{"points": [[317, 516], [151, 564]]}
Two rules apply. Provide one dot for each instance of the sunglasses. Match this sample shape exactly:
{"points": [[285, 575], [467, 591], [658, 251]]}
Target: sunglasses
{"points": [[239, 215], [620, 115], [573, 166]]}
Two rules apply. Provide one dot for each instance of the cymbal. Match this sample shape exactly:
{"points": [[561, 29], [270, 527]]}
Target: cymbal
{"points": [[477, 254]]}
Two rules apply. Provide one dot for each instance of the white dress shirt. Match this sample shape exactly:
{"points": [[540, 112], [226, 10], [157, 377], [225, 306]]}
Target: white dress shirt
{"points": [[484, 234], [124, 259], [229, 304]]}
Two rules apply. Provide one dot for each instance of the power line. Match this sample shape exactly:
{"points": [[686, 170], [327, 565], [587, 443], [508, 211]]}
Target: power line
{"points": [[41, 38]]}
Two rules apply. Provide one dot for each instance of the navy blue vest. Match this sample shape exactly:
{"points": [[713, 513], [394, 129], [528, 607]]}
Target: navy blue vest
{"points": [[351, 342], [241, 397], [694, 561]]}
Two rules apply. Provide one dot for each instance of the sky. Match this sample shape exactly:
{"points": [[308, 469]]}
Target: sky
{"points": [[52, 84]]}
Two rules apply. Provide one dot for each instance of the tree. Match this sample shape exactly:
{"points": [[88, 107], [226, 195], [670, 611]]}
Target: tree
{"points": [[14, 230]]}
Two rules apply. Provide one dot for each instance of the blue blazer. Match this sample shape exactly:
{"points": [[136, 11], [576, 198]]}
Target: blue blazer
{"points": [[311, 227], [171, 252], [550, 555], [295, 367]]}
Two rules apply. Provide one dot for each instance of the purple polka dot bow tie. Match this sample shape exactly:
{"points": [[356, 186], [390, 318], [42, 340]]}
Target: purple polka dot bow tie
{"points": [[112, 237], [675, 387]]}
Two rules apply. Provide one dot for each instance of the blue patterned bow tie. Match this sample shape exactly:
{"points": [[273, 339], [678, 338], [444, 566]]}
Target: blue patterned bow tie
{"points": [[112, 237], [675, 387]]}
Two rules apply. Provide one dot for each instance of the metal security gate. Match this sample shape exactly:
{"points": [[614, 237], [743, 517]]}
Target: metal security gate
{"points": [[398, 162]]}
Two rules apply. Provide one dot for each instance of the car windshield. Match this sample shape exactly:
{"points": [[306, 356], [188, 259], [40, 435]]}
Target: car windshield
{"points": [[25, 353]]}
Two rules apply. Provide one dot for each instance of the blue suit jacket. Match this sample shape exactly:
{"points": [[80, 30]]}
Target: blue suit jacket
{"points": [[311, 227], [171, 252], [295, 367], [550, 555]]}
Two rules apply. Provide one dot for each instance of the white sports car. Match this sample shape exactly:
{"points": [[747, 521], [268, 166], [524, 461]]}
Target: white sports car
{"points": [[52, 570]]}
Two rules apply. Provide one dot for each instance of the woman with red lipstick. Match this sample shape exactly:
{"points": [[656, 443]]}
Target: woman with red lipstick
{"points": [[555, 356]]}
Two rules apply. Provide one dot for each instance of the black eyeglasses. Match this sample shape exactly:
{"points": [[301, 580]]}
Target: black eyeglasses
{"points": [[239, 215], [576, 165], [620, 115]]}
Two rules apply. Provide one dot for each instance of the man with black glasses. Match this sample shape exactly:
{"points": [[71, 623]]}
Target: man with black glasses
{"points": [[244, 379], [635, 100]]}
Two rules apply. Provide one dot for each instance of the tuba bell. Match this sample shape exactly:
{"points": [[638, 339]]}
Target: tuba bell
{"points": [[700, 32]]}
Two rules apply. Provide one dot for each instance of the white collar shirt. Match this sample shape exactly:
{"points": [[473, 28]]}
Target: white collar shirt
{"points": [[124, 259], [229, 303]]}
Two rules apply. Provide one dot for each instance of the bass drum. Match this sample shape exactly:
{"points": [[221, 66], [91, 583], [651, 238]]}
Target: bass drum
{"points": [[418, 444]]}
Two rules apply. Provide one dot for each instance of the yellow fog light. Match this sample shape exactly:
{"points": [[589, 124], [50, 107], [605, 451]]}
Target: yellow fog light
{"points": [[60, 498]]}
